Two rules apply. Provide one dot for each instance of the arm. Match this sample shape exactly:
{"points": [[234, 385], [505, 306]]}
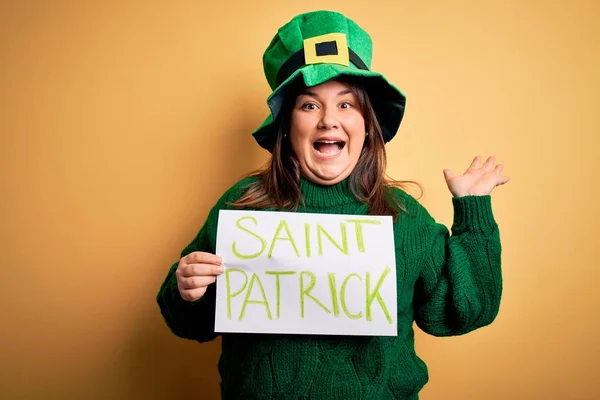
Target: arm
{"points": [[191, 320], [196, 320], [460, 284]]}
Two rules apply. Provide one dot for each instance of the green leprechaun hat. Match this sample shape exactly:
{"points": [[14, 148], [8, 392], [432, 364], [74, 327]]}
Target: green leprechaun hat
{"points": [[319, 46]]}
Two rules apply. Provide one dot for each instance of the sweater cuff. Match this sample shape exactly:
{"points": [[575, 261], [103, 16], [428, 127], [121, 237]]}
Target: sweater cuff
{"points": [[473, 213]]}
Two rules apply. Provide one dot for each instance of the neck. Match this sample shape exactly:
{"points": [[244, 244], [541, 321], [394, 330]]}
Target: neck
{"points": [[324, 196]]}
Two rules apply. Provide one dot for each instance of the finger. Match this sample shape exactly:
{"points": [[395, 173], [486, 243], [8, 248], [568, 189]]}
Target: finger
{"points": [[489, 163], [498, 169], [196, 282], [201, 270], [192, 294], [475, 162], [200, 257], [503, 180], [206, 258]]}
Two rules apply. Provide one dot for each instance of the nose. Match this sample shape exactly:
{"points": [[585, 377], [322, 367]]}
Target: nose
{"points": [[329, 119]]}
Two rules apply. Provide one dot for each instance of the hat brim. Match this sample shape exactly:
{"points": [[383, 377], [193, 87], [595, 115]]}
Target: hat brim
{"points": [[388, 101]]}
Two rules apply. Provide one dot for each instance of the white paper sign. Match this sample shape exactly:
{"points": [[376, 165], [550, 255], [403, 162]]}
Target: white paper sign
{"points": [[306, 273]]}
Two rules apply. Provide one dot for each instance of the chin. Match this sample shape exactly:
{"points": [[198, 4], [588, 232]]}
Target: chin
{"points": [[328, 179], [326, 182]]}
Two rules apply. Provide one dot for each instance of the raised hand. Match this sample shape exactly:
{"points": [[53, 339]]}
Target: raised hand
{"points": [[478, 180]]}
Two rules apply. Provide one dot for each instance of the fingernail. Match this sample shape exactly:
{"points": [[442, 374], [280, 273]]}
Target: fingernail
{"points": [[221, 268]]}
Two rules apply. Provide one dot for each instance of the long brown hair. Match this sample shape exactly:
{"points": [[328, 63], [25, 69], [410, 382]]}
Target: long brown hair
{"points": [[278, 184]]}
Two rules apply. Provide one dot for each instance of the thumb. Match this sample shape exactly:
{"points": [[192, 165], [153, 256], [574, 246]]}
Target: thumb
{"points": [[448, 174]]}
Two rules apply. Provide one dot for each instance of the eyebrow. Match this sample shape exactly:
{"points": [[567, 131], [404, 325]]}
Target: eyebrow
{"points": [[313, 94]]}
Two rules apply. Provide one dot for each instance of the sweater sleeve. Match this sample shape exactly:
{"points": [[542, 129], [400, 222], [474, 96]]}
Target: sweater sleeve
{"points": [[190, 320], [196, 320], [460, 284]]}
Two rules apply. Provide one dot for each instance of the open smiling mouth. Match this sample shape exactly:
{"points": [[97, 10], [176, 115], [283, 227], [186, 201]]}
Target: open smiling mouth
{"points": [[328, 148]]}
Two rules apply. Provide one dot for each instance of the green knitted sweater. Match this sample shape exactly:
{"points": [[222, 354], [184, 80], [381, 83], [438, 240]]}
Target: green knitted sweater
{"points": [[446, 284]]}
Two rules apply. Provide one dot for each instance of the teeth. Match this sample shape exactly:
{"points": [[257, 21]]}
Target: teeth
{"points": [[329, 154]]}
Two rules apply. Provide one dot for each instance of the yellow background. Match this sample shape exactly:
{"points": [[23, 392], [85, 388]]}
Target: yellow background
{"points": [[123, 121]]}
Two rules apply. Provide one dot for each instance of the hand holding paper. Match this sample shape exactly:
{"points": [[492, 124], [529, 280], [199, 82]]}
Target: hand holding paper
{"points": [[195, 272]]}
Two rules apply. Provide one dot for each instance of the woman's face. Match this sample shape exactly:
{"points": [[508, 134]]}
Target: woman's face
{"points": [[327, 132]]}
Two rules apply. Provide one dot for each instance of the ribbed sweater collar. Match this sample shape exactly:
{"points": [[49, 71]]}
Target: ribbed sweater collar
{"points": [[321, 196]]}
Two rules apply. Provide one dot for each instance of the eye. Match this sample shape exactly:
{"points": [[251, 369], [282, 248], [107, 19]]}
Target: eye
{"points": [[346, 104], [309, 106]]}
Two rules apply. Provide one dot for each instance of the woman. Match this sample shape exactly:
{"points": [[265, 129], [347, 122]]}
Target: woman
{"points": [[330, 119]]}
